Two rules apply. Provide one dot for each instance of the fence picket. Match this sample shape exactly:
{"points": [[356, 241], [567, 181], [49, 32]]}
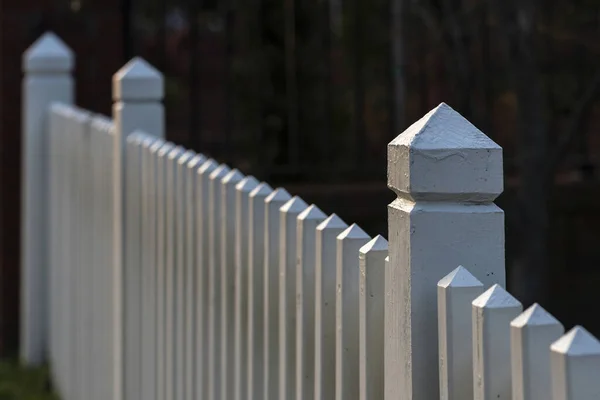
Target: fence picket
{"points": [[456, 292], [492, 313], [273, 203], [372, 265], [215, 335], [240, 326], [325, 312], [308, 220], [256, 260]]}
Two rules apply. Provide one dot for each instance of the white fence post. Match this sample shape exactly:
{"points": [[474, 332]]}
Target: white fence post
{"points": [[492, 313], [456, 292], [308, 221], [347, 274], [446, 174], [137, 94], [531, 335], [325, 290], [240, 326], [370, 309], [575, 362], [273, 203], [47, 65], [215, 335], [203, 364], [256, 262], [288, 228]]}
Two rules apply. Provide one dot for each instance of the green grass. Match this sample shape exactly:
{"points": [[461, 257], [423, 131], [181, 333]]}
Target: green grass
{"points": [[19, 383]]}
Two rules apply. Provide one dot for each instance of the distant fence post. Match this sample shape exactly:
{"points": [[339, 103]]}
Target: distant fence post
{"points": [[137, 94], [47, 65], [446, 174]]}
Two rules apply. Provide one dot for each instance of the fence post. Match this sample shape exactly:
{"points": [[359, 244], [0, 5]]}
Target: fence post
{"points": [[446, 174], [137, 94], [47, 65]]}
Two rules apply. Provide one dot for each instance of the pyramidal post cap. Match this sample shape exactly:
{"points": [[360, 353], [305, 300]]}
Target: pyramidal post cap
{"points": [[48, 54], [295, 205], [577, 342], [246, 185], [138, 81], [332, 222], [459, 277], [353, 232], [232, 178], [312, 213], [534, 316], [378, 243], [443, 156], [496, 297], [279, 195], [262, 190]]}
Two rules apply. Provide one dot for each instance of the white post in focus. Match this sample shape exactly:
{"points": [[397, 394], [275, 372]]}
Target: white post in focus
{"points": [[47, 65], [372, 259], [531, 335], [575, 362], [446, 174], [456, 292]]}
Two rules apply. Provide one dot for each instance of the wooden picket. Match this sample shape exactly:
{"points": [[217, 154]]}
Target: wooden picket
{"points": [[152, 272]]}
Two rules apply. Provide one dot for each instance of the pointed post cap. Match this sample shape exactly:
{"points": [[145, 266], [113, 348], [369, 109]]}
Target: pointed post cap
{"points": [[48, 54], [577, 342], [138, 81], [445, 157]]}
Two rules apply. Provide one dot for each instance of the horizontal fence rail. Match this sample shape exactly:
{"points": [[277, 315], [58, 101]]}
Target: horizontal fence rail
{"points": [[161, 274]]}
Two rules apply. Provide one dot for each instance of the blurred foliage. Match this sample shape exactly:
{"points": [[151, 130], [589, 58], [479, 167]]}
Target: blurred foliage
{"points": [[20, 383]]}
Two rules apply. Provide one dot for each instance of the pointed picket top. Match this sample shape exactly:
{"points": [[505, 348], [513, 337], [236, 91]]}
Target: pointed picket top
{"points": [[332, 222], [48, 54], [378, 243], [294, 205], [445, 157], [165, 149], [279, 194], [175, 153], [262, 190], [353, 232], [577, 342], [311, 213], [208, 167], [138, 81], [148, 141], [196, 161], [136, 137], [186, 157], [233, 177], [534, 316], [496, 297], [460, 277], [247, 185], [219, 172]]}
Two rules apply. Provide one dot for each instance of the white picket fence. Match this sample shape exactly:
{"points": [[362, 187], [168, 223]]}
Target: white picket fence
{"points": [[153, 273]]}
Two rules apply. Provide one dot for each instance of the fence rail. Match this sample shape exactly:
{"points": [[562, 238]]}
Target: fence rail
{"points": [[153, 272]]}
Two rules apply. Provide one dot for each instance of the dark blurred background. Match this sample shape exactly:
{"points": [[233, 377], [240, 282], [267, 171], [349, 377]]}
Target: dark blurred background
{"points": [[307, 93]]}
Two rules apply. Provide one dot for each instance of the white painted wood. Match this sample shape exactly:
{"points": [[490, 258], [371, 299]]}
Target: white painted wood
{"points": [[215, 335], [273, 203], [575, 366], [241, 265], [181, 218], [288, 228], [372, 264], [47, 65], [308, 220], [531, 335], [492, 313], [149, 252], [455, 293], [192, 291], [348, 245], [172, 330], [446, 174], [203, 365], [162, 224], [325, 310], [256, 262], [228, 219], [137, 94]]}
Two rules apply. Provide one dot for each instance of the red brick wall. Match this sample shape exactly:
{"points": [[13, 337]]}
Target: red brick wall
{"points": [[95, 33]]}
